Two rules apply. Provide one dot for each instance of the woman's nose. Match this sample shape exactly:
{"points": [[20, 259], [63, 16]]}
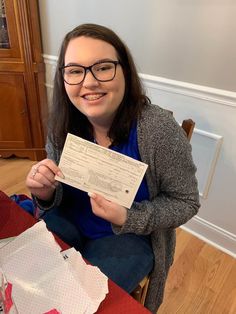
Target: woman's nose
{"points": [[90, 79]]}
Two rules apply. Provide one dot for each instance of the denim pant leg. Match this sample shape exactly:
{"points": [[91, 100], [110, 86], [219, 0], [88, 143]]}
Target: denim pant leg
{"points": [[125, 258], [63, 228]]}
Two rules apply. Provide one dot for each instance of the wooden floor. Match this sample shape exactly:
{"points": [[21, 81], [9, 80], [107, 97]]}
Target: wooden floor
{"points": [[13, 173], [202, 278]]}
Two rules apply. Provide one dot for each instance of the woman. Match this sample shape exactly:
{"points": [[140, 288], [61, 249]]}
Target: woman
{"points": [[99, 97]]}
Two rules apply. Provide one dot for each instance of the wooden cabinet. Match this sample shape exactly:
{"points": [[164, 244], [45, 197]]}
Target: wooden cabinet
{"points": [[23, 105]]}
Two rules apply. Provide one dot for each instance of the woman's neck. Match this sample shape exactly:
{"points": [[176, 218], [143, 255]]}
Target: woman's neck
{"points": [[101, 136]]}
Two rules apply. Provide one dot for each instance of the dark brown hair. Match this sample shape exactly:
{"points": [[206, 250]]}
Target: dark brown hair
{"points": [[65, 117]]}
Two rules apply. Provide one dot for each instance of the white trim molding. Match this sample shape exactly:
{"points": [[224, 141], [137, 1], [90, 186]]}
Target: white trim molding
{"points": [[50, 59], [50, 64], [212, 234], [197, 91], [205, 150]]}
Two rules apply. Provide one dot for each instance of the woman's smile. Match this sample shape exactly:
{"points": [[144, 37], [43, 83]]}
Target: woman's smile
{"points": [[93, 96]]}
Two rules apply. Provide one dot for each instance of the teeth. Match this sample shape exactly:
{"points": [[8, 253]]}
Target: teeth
{"points": [[93, 97]]}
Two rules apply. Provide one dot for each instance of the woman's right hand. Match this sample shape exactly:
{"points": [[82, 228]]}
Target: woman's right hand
{"points": [[41, 179]]}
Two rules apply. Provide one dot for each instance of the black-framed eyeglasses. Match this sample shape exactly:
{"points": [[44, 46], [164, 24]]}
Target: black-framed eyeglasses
{"points": [[103, 71]]}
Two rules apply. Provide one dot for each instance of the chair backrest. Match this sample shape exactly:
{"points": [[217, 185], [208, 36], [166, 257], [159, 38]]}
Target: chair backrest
{"points": [[188, 126]]}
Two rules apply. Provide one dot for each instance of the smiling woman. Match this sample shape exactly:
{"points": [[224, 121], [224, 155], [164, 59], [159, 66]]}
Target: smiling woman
{"points": [[98, 95], [100, 85]]}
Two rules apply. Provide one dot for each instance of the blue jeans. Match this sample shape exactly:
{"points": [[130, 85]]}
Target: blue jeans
{"points": [[125, 258]]}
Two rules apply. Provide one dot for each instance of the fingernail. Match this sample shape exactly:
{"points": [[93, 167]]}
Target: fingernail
{"points": [[92, 195], [60, 174]]}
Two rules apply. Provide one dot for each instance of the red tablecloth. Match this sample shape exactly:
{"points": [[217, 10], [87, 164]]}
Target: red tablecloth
{"points": [[14, 220]]}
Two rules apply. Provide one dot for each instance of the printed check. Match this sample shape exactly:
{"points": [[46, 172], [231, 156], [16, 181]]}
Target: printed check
{"points": [[93, 168]]}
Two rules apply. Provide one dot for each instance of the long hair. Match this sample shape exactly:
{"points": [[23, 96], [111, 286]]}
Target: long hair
{"points": [[65, 117]]}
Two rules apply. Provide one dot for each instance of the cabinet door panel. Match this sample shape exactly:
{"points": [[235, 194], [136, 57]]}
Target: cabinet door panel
{"points": [[14, 124], [9, 32]]}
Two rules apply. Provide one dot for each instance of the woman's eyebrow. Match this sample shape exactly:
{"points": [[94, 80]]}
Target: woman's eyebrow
{"points": [[98, 61], [105, 59], [72, 64]]}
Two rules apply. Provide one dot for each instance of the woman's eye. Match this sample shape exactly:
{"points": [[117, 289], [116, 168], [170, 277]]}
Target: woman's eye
{"points": [[74, 71], [103, 68]]}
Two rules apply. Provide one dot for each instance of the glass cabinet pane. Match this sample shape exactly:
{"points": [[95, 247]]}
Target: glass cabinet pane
{"points": [[4, 38]]}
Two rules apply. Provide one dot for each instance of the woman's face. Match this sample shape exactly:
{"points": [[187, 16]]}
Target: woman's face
{"points": [[97, 100]]}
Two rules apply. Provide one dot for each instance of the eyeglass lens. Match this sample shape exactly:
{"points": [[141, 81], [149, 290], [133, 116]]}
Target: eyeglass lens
{"points": [[104, 71]]}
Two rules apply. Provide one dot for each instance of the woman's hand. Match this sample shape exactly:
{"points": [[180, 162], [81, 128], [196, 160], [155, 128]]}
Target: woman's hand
{"points": [[40, 180], [108, 210]]}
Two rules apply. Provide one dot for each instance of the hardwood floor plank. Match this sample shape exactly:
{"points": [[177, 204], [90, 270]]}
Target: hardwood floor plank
{"points": [[226, 296], [219, 267], [13, 174], [179, 288]]}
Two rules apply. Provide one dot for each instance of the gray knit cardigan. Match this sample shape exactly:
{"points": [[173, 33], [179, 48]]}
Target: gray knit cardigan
{"points": [[173, 191]]}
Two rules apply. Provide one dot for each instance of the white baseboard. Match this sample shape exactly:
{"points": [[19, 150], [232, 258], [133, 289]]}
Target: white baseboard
{"points": [[212, 234]]}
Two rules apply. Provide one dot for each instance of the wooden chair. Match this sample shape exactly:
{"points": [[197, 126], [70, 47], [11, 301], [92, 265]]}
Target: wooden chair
{"points": [[188, 126], [140, 292]]}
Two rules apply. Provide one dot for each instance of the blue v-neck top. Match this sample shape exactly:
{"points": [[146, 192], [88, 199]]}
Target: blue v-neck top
{"points": [[76, 203]]}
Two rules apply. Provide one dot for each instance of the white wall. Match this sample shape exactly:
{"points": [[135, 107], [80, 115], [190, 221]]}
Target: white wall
{"points": [[191, 42], [186, 40]]}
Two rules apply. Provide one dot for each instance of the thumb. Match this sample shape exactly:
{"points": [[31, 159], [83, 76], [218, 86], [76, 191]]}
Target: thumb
{"points": [[100, 200]]}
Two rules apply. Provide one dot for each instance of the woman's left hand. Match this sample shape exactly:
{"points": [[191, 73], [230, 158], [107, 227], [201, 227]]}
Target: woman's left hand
{"points": [[108, 210]]}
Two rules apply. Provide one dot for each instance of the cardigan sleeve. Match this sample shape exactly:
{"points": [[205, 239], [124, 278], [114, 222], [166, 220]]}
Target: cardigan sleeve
{"points": [[172, 184]]}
